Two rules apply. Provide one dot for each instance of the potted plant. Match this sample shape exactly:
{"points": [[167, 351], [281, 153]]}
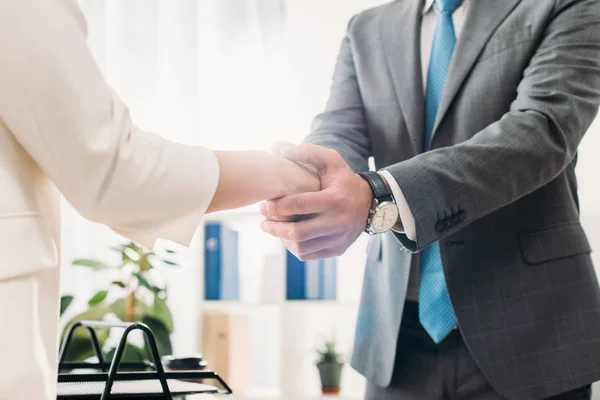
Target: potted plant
{"points": [[134, 296], [330, 367]]}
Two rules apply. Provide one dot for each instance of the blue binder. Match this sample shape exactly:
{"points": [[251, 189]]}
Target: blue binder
{"points": [[221, 277], [295, 278], [310, 280]]}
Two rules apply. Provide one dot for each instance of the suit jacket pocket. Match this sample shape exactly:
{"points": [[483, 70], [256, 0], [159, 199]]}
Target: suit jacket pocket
{"points": [[554, 242]]}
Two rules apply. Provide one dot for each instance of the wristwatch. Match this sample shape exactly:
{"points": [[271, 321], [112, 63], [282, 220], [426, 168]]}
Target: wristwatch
{"points": [[383, 214]]}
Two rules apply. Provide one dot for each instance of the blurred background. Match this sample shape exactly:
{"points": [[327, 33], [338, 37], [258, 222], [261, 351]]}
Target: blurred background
{"points": [[234, 75]]}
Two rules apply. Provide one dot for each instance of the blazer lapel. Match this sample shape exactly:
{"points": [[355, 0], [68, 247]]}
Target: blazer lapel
{"points": [[483, 18], [400, 35]]}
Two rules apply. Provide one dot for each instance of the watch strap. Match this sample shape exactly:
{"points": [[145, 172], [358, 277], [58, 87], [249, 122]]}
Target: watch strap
{"points": [[381, 192]]}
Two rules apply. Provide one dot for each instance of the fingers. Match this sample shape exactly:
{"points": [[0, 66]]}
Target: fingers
{"points": [[322, 254], [298, 204], [308, 247], [321, 158], [299, 231], [277, 218]]}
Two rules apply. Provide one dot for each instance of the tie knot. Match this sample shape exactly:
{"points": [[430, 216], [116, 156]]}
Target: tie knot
{"points": [[448, 6]]}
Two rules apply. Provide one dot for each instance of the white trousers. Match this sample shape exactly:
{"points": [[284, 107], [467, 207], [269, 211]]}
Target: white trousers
{"points": [[28, 336]]}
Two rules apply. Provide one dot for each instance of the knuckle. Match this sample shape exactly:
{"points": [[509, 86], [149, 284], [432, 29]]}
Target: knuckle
{"points": [[339, 222], [274, 208], [302, 249], [336, 198], [296, 234], [335, 155], [300, 203]]}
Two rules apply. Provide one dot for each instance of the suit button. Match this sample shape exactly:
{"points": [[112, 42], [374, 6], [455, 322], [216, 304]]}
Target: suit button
{"points": [[440, 226]]}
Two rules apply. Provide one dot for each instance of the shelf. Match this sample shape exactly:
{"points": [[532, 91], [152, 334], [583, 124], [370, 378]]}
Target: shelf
{"points": [[236, 304], [288, 303]]}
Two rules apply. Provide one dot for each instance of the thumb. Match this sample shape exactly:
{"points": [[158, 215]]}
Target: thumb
{"points": [[319, 157]]}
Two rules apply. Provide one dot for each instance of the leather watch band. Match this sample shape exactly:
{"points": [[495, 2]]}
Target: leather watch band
{"points": [[381, 192]]}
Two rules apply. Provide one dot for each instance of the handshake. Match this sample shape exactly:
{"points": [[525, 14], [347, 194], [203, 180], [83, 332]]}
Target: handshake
{"points": [[326, 208]]}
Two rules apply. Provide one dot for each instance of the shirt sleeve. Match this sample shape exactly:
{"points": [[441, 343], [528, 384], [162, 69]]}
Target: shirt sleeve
{"points": [[407, 219], [76, 129]]}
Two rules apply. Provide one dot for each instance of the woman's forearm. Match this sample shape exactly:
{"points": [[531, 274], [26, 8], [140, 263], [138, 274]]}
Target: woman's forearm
{"points": [[249, 177]]}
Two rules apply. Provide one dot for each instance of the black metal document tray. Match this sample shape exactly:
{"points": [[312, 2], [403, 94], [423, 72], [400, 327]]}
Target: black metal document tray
{"points": [[146, 380]]}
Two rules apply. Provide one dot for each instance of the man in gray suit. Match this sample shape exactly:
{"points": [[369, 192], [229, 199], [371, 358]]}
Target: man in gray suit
{"points": [[479, 282]]}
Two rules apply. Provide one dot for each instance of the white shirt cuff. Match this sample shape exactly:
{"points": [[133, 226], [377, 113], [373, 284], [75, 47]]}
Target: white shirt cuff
{"points": [[407, 218]]}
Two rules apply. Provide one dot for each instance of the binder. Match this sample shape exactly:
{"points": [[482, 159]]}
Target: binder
{"points": [[221, 275], [295, 278], [310, 280]]}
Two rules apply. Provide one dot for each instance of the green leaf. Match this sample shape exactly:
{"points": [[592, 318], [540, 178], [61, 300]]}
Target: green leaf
{"points": [[65, 302], [81, 346], [161, 312], [119, 284], [89, 263], [127, 258], [172, 263], [145, 264], [132, 353], [98, 298], [161, 334], [118, 308], [135, 248], [144, 282]]}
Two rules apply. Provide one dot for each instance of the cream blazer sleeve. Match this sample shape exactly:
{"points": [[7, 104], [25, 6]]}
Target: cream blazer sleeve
{"points": [[79, 132]]}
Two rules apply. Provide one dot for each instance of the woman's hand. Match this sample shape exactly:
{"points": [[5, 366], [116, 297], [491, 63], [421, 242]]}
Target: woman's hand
{"points": [[248, 177], [297, 178]]}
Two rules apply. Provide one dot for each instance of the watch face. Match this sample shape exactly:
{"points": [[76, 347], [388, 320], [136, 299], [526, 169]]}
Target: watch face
{"points": [[385, 217]]}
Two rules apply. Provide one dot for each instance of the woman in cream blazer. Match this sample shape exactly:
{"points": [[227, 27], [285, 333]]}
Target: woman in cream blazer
{"points": [[63, 130]]}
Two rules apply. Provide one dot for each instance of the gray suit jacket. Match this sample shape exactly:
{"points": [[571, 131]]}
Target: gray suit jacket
{"points": [[498, 190]]}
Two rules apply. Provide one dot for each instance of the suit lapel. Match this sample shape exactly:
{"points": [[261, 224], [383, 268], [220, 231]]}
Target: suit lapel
{"points": [[483, 18], [400, 35]]}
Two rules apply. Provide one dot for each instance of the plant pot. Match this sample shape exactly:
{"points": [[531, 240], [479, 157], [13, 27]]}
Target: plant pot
{"points": [[331, 375]]}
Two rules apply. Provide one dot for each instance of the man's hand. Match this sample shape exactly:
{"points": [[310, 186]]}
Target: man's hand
{"points": [[328, 221]]}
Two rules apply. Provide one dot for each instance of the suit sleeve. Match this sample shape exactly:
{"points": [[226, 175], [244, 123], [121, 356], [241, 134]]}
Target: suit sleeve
{"points": [[56, 103], [342, 126], [557, 100]]}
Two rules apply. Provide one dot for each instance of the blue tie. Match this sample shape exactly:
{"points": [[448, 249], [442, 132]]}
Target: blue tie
{"points": [[435, 311]]}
